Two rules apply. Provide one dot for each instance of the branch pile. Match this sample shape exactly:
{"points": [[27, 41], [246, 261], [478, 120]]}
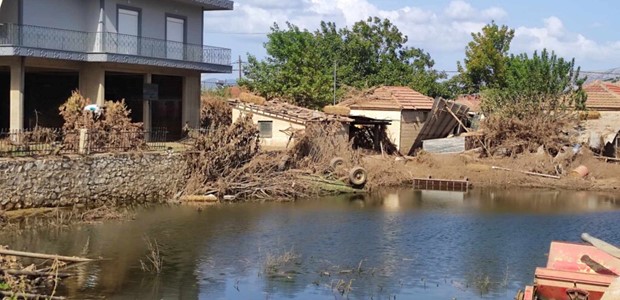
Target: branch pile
{"points": [[219, 151], [320, 143], [227, 162], [512, 136], [113, 129], [214, 112], [34, 281]]}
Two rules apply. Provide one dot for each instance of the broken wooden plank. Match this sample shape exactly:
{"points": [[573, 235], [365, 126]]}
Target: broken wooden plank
{"points": [[527, 172], [44, 256]]}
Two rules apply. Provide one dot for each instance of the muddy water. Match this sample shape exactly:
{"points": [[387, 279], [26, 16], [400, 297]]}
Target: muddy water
{"points": [[403, 244]]}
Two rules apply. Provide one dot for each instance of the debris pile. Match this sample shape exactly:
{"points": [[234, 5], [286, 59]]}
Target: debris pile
{"points": [[227, 163], [110, 129], [38, 281], [214, 112], [218, 151], [512, 136]]}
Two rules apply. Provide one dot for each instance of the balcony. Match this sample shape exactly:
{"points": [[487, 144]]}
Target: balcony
{"points": [[27, 40]]}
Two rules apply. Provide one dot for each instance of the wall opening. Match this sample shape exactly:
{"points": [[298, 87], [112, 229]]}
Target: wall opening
{"points": [[5, 98], [127, 86], [44, 93], [167, 111]]}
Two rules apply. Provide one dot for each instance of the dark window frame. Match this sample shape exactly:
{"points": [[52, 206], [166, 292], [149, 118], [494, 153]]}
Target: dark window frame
{"points": [[185, 26], [132, 8], [261, 129]]}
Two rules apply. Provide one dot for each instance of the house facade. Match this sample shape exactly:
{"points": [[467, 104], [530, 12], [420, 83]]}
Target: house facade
{"points": [[150, 53], [280, 123], [404, 108]]}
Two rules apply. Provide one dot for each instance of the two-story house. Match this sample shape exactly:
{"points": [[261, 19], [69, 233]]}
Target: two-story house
{"points": [[149, 52]]}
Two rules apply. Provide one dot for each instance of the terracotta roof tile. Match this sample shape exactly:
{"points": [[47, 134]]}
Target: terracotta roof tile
{"points": [[471, 101], [603, 95], [391, 98]]}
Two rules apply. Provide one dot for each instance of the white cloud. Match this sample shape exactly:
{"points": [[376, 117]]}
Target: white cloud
{"points": [[553, 35], [443, 32], [446, 30], [460, 10]]}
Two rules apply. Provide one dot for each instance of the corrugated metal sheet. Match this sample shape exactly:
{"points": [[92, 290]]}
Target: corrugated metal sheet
{"points": [[445, 145], [440, 122]]}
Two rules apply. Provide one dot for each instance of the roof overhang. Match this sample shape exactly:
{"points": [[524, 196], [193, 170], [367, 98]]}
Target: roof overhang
{"points": [[211, 4]]}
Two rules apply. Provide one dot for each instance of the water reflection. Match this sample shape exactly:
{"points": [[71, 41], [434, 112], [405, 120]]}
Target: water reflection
{"points": [[433, 245]]}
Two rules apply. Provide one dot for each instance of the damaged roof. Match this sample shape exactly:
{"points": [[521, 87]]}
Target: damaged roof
{"points": [[472, 101], [391, 98], [287, 111], [603, 95]]}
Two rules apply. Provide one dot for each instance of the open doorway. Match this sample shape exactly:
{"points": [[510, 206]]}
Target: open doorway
{"points": [[5, 99], [119, 86], [167, 111], [44, 93]]}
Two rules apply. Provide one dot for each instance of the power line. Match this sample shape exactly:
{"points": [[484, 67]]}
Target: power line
{"points": [[237, 33]]}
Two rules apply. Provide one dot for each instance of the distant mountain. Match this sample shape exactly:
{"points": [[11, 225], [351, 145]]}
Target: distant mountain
{"points": [[211, 83], [605, 75]]}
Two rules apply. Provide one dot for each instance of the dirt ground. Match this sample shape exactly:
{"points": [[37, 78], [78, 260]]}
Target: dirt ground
{"points": [[603, 176]]}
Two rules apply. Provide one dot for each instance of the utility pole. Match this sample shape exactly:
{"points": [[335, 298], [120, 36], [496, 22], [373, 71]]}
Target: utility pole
{"points": [[335, 65], [240, 68]]}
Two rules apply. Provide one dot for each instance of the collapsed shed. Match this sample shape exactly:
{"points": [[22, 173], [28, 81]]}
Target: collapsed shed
{"points": [[602, 133], [280, 122], [404, 108]]}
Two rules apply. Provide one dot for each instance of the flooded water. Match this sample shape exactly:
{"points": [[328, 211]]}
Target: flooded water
{"points": [[394, 245]]}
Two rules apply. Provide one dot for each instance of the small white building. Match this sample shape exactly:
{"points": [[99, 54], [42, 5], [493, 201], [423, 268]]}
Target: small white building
{"points": [[278, 122], [404, 108]]}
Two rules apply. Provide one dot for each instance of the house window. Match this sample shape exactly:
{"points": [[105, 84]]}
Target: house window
{"points": [[265, 129], [128, 30], [175, 38]]}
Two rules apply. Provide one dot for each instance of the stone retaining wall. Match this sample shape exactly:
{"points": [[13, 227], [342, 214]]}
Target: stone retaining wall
{"points": [[89, 181]]}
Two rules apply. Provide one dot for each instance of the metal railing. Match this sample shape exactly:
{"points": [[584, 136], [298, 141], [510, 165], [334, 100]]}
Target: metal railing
{"points": [[54, 141], [109, 42]]}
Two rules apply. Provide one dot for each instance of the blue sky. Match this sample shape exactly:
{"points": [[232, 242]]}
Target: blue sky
{"points": [[585, 30]]}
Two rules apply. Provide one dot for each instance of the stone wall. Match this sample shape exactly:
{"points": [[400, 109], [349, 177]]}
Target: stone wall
{"points": [[90, 181]]}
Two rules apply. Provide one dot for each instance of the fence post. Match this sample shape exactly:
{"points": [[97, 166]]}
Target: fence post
{"points": [[83, 144]]}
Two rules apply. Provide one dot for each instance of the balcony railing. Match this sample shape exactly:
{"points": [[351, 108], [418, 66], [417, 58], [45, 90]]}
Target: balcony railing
{"points": [[108, 42]]}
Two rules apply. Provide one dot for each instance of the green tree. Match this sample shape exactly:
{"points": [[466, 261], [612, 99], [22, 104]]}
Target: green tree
{"points": [[486, 57], [542, 81], [294, 68], [300, 64]]}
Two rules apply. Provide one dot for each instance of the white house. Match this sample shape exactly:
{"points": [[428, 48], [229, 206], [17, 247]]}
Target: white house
{"points": [[279, 122], [150, 53]]}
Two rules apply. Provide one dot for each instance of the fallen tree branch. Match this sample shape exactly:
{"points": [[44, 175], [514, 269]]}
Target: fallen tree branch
{"points": [[12, 295], [44, 256], [35, 273], [527, 172]]}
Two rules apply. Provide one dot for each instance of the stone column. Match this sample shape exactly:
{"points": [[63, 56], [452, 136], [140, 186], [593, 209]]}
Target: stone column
{"points": [[146, 109], [92, 83], [191, 100], [17, 94]]}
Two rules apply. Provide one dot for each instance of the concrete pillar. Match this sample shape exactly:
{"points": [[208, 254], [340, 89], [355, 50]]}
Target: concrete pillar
{"points": [[146, 110], [191, 101], [92, 83], [17, 94]]}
